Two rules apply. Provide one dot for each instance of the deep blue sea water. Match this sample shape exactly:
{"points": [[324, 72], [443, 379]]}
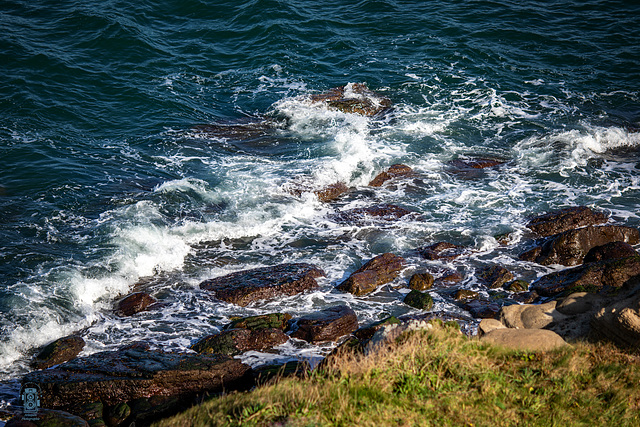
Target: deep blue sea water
{"points": [[104, 182]]}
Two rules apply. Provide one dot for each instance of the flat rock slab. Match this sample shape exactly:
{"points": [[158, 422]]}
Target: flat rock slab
{"points": [[245, 287], [260, 321], [570, 247], [593, 277], [59, 351], [378, 271], [327, 325], [237, 341], [565, 219], [113, 377], [525, 339]]}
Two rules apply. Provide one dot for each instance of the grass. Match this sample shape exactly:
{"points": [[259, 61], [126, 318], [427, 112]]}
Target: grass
{"points": [[442, 378]]}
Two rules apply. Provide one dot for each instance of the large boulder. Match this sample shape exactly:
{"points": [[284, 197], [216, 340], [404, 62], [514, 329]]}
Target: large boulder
{"points": [[237, 341], [114, 377], [394, 171], [591, 277], [620, 322], [59, 351], [378, 271], [245, 287], [530, 316], [570, 247], [326, 325], [608, 251], [332, 192], [524, 339], [355, 98], [565, 219], [421, 281]]}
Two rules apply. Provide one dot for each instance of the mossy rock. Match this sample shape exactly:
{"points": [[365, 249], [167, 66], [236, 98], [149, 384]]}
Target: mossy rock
{"points": [[117, 414], [272, 320], [517, 286], [419, 300], [421, 281], [465, 294]]}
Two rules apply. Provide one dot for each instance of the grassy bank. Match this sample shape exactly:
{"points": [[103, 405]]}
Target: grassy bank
{"points": [[440, 377]]}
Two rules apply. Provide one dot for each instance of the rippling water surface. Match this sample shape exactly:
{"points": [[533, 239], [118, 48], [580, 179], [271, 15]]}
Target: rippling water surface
{"points": [[105, 183]]}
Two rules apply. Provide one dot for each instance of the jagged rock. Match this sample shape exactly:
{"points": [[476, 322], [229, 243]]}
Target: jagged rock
{"points": [[608, 251], [114, 377], [570, 247], [378, 271], [59, 351], [494, 276], [482, 309], [135, 303], [354, 98], [327, 325], [442, 250], [529, 316], [591, 277], [271, 320], [48, 418], [419, 300], [332, 192], [236, 341], [395, 171], [465, 294], [488, 325], [525, 339], [421, 281], [565, 219], [245, 287], [382, 212], [517, 286], [620, 322]]}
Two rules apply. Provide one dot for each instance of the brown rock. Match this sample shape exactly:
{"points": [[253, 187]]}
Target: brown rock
{"points": [[421, 281], [245, 287], [578, 303], [475, 163], [327, 325], [608, 251], [394, 171], [271, 320], [236, 341], [620, 322], [570, 247], [354, 98], [59, 351], [442, 250], [529, 316], [482, 309], [378, 271], [565, 219], [525, 339], [332, 192], [494, 276], [488, 325], [517, 286], [465, 294], [135, 303], [383, 212]]}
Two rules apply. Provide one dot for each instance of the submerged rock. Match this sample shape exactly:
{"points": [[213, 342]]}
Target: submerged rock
{"points": [[135, 303], [353, 98], [591, 277], [378, 271], [383, 212], [245, 287], [571, 247], [326, 325], [442, 250], [59, 351], [237, 341], [394, 171], [494, 276], [565, 219], [238, 130], [475, 163], [332, 192]]}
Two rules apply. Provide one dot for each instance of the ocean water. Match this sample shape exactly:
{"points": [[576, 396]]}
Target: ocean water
{"points": [[106, 183]]}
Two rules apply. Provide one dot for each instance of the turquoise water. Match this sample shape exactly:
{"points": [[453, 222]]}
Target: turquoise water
{"points": [[104, 182]]}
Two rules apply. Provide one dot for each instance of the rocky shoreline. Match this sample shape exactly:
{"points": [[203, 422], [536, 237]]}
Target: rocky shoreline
{"points": [[595, 297]]}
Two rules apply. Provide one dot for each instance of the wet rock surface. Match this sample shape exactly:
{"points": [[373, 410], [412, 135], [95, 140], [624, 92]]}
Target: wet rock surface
{"points": [[609, 251], [421, 281], [332, 192], [565, 219], [135, 303], [378, 271], [570, 247], [237, 341], [326, 325], [419, 300], [271, 320], [59, 351], [494, 276], [245, 287], [382, 212], [394, 171], [355, 98], [442, 250]]}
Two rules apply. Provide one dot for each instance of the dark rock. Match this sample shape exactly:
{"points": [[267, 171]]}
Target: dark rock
{"points": [[354, 98], [59, 351], [251, 129], [465, 294], [332, 192], [271, 320], [394, 171], [147, 409], [419, 300], [531, 255], [236, 341], [378, 271], [113, 377], [494, 276], [525, 297], [482, 309], [269, 374], [245, 287], [448, 278], [48, 418], [565, 219], [383, 212], [116, 415], [134, 303], [475, 163], [365, 334], [570, 247], [608, 251], [91, 412], [421, 281], [591, 277], [326, 325], [517, 286], [442, 250]]}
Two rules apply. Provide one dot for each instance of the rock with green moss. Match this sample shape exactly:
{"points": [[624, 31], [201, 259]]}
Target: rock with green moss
{"points": [[116, 415], [517, 286], [237, 341], [262, 321], [494, 276], [59, 351], [419, 300], [421, 281]]}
